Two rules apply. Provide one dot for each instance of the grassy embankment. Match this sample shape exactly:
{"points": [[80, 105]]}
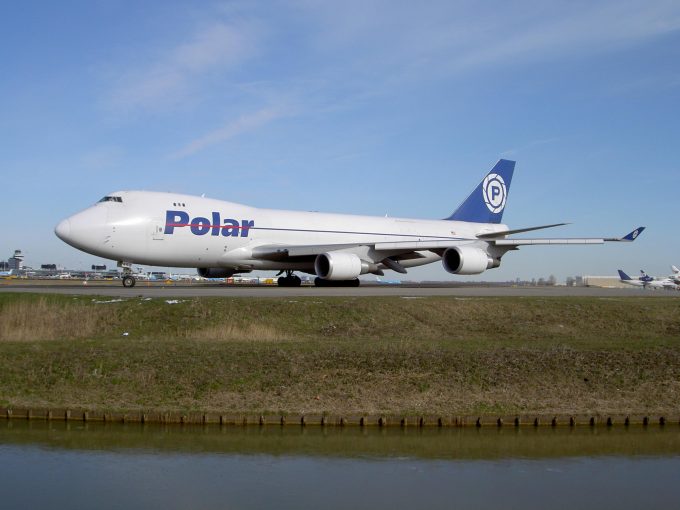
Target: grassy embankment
{"points": [[443, 356]]}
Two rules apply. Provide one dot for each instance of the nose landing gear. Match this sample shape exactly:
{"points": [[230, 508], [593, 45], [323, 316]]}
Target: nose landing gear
{"points": [[290, 280], [128, 280]]}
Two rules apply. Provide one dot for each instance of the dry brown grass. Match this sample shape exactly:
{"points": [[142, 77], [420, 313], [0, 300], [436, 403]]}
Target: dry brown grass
{"points": [[43, 320], [233, 332], [348, 356]]}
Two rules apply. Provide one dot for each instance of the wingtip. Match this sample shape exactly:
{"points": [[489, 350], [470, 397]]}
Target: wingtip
{"points": [[634, 234]]}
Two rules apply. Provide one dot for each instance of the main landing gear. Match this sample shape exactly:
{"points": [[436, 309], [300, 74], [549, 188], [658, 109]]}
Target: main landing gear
{"points": [[290, 280], [129, 281], [320, 282]]}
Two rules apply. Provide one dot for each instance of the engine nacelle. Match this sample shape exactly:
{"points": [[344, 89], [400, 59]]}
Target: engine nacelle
{"points": [[215, 272], [466, 260], [341, 266]]}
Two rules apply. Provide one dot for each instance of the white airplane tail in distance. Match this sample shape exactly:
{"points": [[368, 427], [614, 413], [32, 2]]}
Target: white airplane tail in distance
{"points": [[222, 238]]}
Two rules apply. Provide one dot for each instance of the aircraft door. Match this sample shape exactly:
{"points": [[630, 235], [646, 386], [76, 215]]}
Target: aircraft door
{"points": [[157, 230]]}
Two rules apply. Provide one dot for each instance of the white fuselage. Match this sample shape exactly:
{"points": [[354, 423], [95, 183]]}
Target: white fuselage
{"points": [[166, 229], [665, 283]]}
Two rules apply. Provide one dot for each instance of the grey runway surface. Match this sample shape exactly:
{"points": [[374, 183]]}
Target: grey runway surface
{"points": [[212, 290]]}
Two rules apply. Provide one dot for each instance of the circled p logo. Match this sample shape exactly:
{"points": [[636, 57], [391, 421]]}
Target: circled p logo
{"points": [[495, 193]]}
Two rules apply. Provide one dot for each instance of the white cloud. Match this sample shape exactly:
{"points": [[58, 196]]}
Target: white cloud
{"points": [[234, 128], [424, 40], [575, 29], [325, 57], [172, 76]]}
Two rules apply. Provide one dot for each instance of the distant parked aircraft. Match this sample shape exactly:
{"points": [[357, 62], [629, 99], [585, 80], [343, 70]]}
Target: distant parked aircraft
{"points": [[676, 275], [647, 282]]}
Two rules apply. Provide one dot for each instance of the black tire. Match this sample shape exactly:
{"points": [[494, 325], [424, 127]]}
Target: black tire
{"points": [[129, 281], [320, 282], [289, 281]]}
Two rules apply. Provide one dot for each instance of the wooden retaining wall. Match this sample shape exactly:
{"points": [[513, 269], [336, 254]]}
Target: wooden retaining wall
{"points": [[324, 420]]}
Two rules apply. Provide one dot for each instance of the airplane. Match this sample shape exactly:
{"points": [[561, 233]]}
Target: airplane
{"points": [[662, 283], [221, 238], [676, 275], [647, 282], [645, 278], [6, 274]]}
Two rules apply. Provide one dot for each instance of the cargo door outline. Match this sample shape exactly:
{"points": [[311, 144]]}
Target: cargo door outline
{"points": [[157, 230]]}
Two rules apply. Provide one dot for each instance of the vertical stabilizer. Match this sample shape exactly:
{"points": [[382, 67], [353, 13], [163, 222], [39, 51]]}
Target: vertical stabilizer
{"points": [[623, 276], [487, 202]]}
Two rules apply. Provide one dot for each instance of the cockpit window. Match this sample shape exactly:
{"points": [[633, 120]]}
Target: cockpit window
{"points": [[111, 199]]}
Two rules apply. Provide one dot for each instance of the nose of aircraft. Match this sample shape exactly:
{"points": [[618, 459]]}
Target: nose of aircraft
{"points": [[63, 229], [86, 230]]}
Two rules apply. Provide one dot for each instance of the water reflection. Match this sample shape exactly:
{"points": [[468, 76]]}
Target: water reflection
{"points": [[78, 465], [350, 442]]}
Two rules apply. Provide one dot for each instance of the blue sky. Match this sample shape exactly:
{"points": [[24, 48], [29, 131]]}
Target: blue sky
{"points": [[361, 107]]}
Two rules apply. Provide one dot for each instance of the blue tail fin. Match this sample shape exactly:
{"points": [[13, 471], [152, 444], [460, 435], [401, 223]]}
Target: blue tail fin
{"points": [[633, 235], [623, 275], [487, 202]]}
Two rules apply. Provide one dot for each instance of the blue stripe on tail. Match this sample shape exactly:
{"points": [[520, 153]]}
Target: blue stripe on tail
{"points": [[487, 202]]}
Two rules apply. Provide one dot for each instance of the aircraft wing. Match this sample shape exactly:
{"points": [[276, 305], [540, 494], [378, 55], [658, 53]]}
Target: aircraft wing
{"points": [[491, 239], [283, 252], [567, 240]]}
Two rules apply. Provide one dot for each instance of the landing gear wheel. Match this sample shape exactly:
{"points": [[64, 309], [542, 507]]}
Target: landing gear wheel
{"points": [[290, 280], [320, 282], [129, 281]]}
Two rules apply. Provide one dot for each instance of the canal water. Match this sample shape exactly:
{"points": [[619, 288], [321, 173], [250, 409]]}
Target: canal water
{"points": [[102, 466]]}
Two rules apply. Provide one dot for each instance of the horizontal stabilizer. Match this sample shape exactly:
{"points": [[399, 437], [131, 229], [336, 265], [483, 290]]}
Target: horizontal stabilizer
{"points": [[493, 235]]}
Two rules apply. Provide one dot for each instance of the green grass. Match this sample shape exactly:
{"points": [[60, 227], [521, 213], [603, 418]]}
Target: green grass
{"points": [[342, 355]]}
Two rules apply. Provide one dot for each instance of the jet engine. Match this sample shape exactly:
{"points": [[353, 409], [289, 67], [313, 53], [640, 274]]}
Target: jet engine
{"points": [[215, 272], [341, 266], [466, 260]]}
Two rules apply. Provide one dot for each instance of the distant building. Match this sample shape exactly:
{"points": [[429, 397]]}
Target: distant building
{"points": [[16, 262], [603, 281]]}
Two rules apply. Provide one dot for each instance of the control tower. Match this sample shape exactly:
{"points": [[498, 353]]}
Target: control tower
{"points": [[16, 262]]}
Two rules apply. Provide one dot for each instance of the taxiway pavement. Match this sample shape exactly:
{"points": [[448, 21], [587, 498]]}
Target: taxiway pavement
{"points": [[405, 291]]}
